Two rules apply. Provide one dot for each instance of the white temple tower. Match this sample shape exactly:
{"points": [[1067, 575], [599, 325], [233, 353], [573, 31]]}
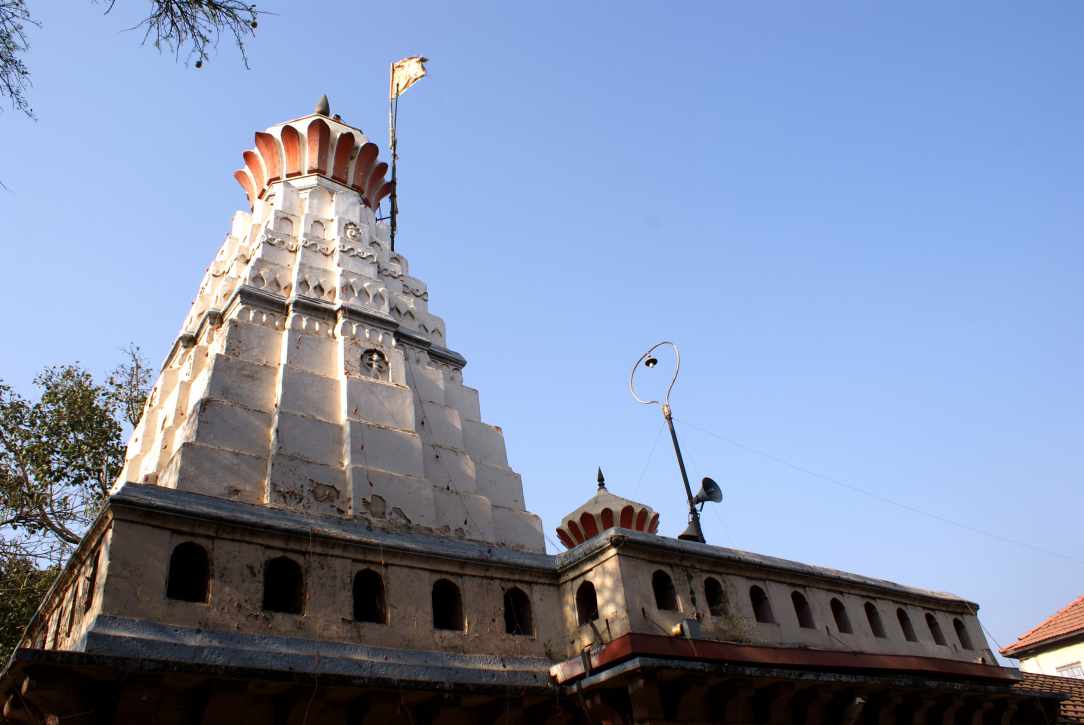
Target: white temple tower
{"points": [[309, 373]]}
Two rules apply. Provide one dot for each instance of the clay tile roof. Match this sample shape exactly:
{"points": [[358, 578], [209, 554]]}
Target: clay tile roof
{"points": [[1067, 621], [1072, 709]]}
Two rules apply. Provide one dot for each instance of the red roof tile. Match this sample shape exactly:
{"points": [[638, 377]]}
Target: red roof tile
{"points": [[1069, 620], [1072, 709]]}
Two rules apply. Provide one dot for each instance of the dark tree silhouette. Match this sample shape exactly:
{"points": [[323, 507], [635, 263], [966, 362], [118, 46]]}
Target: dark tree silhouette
{"points": [[188, 28]]}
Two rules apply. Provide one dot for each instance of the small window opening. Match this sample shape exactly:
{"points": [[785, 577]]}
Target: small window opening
{"points": [[517, 612], [961, 633], [713, 590], [839, 613], [447, 606], [586, 603], [374, 364], [71, 610], [283, 586], [906, 626], [189, 573], [801, 608], [665, 596], [935, 629], [762, 608], [369, 602], [92, 581], [874, 618]]}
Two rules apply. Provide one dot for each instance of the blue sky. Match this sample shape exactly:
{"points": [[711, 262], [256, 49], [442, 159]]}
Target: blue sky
{"points": [[860, 222]]}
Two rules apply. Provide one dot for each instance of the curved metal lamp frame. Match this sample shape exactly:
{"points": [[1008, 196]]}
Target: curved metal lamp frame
{"points": [[645, 356]]}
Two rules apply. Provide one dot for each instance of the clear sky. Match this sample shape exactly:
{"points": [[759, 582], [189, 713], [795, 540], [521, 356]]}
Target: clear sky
{"points": [[860, 222]]}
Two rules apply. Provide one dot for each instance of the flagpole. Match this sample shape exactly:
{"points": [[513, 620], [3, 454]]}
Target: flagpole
{"points": [[393, 142]]}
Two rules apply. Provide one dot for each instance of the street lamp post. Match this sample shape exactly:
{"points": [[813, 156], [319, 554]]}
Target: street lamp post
{"points": [[709, 491]]}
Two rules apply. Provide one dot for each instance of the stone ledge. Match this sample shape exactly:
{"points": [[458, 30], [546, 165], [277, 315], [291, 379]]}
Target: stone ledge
{"points": [[123, 637]]}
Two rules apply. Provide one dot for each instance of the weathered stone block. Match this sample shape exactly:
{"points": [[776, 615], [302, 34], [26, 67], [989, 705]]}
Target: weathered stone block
{"points": [[464, 515], [317, 353], [309, 438], [381, 403], [520, 529], [239, 381], [397, 499], [224, 425], [485, 443], [387, 449], [501, 485], [463, 399], [305, 486], [218, 472], [450, 469], [255, 343], [428, 383], [310, 394], [440, 424]]}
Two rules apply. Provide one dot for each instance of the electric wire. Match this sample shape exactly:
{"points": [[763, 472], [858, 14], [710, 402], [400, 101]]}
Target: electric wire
{"points": [[647, 463], [879, 497]]}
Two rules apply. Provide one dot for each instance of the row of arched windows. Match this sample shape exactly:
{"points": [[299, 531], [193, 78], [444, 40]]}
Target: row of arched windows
{"points": [[284, 591], [666, 600], [762, 611]]}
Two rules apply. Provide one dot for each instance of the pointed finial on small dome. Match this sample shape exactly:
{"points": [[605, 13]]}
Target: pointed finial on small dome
{"points": [[601, 480], [322, 106]]}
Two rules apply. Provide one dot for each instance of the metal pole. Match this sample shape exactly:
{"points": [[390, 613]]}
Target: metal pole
{"points": [[393, 116], [696, 533]]}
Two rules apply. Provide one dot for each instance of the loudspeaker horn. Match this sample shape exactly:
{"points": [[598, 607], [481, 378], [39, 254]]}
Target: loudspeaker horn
{"points": [[709, 491]]}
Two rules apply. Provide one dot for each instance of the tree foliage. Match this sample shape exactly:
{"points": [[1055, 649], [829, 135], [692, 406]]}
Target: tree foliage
{"points": [[189, 28], [59, 455], [22, 587], [14, 75]]}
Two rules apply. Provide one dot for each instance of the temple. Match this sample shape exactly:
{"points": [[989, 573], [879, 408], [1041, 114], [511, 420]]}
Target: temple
{"points": [[315, 524]]}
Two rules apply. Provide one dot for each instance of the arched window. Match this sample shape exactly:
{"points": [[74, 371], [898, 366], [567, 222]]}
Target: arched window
{"points": [[284, 225], [586, 603], [665, 596], [839, 613], [369, 602], [189, 573], [447, 606], [374, 364], [935, 629], [906, 626], [801, 608], [517, 612], [961, 633], [874, 618], [762, 608], [283, 586], [713, 590]]}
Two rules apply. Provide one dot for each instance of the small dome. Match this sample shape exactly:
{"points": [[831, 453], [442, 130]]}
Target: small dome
{"points": [[605, 511]]}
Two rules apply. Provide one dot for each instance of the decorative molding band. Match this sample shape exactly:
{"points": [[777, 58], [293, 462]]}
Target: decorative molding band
{"points": [[359, 314], [311, 305]]}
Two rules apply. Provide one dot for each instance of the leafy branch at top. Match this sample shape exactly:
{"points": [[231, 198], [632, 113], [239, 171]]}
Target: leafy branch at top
{"points": [[197, 25], [191, 28]]}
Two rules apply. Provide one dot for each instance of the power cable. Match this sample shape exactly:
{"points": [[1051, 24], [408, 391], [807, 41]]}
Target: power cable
{"points": [[647, 463], [883, 499]]}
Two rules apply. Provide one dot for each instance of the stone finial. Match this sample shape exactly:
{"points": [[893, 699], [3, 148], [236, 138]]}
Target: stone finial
{"points": [[322, 106], [601, 479]]}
